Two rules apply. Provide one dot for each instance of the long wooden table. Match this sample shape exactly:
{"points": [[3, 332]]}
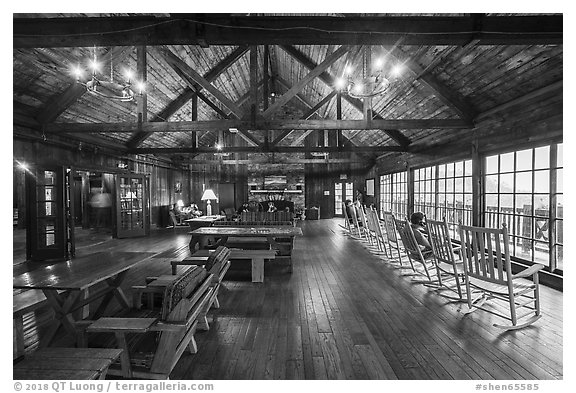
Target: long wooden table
{"points": [[221, 234], [66, 285], [270, 233]]}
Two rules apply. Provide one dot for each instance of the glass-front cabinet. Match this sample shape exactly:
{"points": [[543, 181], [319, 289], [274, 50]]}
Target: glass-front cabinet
{"points": [[132, 206], [46, 233]]}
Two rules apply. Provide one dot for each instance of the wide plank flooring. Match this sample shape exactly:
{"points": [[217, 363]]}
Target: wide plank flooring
{"points": [[344, 313]]}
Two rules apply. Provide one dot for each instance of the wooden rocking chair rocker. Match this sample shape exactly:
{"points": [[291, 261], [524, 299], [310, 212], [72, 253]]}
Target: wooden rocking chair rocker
{"points": [[488, 273]]}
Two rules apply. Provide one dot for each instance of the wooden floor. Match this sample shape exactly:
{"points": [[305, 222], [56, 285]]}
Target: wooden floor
{"points": [[345, 313]]}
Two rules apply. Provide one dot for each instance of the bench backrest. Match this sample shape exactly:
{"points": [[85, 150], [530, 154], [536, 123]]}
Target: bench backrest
{"points": [[177, 300], [217, 260], [267, 217], [251, 223]]}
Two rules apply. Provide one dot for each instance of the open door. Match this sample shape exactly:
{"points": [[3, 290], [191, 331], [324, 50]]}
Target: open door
{"points": [[47, 230]]}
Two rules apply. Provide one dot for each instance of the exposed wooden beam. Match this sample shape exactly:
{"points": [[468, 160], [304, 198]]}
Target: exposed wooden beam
{"points": [[300, 97], [189, 92], [320, 68], [329, 80], [175, 62], [212, 105], [142, 72], [270, 149], [276, 160], [521, 100], [448, 97], [215, 125], [273, 30], [307, 115], [60, 103], [249, 138]]}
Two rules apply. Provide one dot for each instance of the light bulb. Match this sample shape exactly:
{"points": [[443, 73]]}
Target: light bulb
{"points": [[348, 70], [358, 88], [78, 72], [379, 63], [141, 87], [397, 70], [94, 65], [129, 74], [340, 83]]}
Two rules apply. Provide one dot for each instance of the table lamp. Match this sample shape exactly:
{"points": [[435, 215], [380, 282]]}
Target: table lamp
{"points": [[207, 196]]}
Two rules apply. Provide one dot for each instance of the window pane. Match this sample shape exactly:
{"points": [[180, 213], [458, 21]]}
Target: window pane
{"points": [[560, 179], [524, 182], [468, 184], [524, 160], [507, 162], [542, 181], [491, 183], [492, 164], [506, 201], [541, 203], [450, 170], [560, 257], [506, 182], [459, 168], [560, 154], [560, 206], [524, 203], [560, 231], [542, 157], [468, 168], [459, 185]]}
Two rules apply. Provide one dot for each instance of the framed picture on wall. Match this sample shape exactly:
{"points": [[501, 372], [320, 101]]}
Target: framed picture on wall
{"points": [[178, 187], [370, 187]]}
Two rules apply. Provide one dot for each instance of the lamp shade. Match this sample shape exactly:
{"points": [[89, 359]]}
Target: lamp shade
{"points": [[208, 194]]}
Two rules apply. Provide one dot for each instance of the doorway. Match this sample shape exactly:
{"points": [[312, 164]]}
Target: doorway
{"points": [[342, 192]]}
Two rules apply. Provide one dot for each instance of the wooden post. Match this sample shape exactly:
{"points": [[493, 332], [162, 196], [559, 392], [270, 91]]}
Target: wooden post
{"points": [[194, 118], [477, 186], [553, 211], [339, 141], [410, 190], [142, 76]]}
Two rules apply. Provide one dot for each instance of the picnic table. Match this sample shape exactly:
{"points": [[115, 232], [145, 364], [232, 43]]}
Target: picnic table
{"points": [[67, 285]]}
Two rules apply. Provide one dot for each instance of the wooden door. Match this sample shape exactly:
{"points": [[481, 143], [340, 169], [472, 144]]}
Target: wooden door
{"points": [[131, 205], [46, 232]]}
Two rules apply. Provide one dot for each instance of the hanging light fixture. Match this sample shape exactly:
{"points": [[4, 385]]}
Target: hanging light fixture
{"points": [[107, 89], [373, 80]]}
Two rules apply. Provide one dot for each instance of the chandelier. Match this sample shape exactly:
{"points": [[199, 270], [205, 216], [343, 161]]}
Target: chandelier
{"points": [[372, 80], [107, 89]]}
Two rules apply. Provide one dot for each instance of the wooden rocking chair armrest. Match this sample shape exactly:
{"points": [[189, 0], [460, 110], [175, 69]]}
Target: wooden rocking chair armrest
{"points": [[529, 271], [149, 279]]}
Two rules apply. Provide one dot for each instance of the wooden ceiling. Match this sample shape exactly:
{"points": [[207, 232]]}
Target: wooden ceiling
{"points": [[206, 74]]}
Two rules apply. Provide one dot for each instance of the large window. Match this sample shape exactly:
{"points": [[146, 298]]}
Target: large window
{"points": [[445, 191], [394, 194], [524, 190]]}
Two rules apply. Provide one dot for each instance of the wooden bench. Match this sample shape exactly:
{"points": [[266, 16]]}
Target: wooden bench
{"points": [[22, 304], [66, 364], [217, 264], [257, 258], [154, 340]]}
